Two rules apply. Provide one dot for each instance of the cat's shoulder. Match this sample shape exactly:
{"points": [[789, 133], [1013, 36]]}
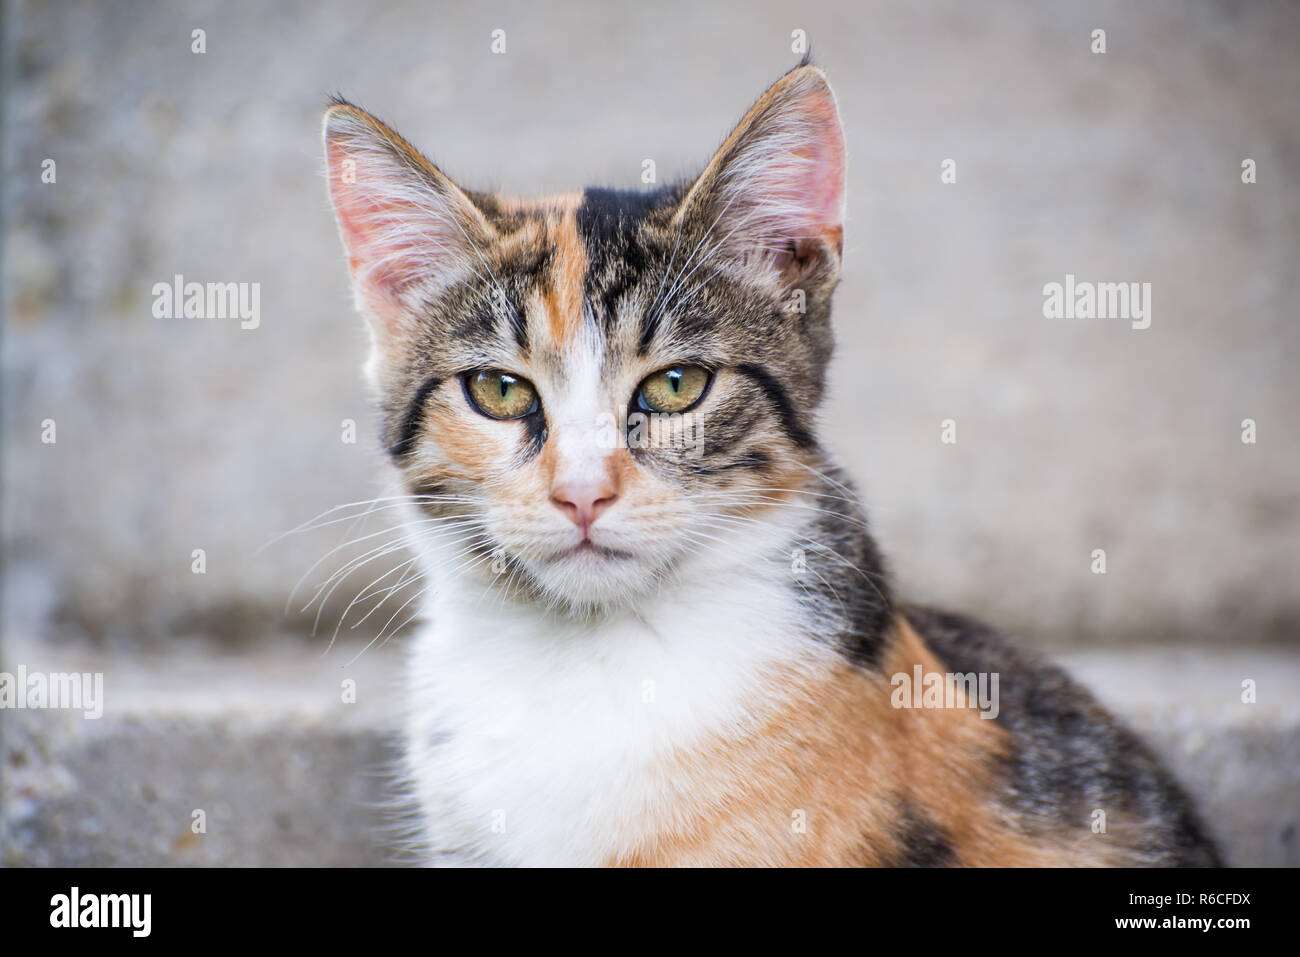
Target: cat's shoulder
{"points": [[1068, 752], [1033, 690], [966, 643]]}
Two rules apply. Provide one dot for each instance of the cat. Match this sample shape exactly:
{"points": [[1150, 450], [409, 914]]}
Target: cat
{"points": [[646, 652]]}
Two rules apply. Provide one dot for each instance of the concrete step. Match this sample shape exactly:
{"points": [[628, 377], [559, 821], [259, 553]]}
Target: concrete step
{"points": [[288, 773]]}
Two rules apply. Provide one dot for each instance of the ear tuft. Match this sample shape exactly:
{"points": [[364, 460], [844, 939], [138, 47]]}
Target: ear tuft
{"points": [[772, 199], [405, 225]]}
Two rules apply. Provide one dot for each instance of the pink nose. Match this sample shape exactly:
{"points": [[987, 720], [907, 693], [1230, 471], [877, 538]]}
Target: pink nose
{"points": [[583, 501]]}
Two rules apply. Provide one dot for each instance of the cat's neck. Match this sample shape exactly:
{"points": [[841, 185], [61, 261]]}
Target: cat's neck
{"points": [[552, 720], [751, 568], [807, 568]]}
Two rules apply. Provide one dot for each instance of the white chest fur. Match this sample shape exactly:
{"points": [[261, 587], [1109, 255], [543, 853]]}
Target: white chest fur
{"points": [[536, 740]]}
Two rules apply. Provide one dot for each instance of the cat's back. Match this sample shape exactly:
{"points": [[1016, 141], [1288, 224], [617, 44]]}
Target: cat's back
{"points": [[1070, 763]]}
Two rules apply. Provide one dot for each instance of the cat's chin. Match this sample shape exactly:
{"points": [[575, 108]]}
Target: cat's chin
{"points": [[591, 553], [590, 577]]}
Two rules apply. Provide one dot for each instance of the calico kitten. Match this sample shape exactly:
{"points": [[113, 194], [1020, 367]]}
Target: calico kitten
{"points": [[642, 650]]}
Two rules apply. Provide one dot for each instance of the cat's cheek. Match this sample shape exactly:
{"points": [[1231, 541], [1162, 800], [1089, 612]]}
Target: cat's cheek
{"points": [[648, 495], [473, 448]]}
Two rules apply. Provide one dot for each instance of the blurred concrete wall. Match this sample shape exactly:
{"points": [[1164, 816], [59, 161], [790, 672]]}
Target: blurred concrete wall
{"points": [[175, 435]]}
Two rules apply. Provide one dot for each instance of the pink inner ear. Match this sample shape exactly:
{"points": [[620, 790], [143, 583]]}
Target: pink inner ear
{"points": [[364, 220], [782, 188], [807, 182], [398, 227], [824, 176]]}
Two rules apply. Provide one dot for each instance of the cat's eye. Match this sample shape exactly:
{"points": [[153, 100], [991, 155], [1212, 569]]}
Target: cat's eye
{"points": [[675, 389], [500, 395]]}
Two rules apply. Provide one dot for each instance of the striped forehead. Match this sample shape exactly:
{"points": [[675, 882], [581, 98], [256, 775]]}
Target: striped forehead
{"points": [[578, 261], [540, 246]]}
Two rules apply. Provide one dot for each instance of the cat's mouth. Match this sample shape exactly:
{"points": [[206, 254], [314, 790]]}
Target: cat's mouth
{"points": [[587, 549]]}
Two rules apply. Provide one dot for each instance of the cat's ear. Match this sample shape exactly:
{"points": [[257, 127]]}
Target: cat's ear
{"points": [[771, 201], [408, 230]]}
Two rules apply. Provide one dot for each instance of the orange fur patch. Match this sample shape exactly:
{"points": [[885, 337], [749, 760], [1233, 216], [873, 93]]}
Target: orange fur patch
{"points": [[823, 777], [565, 307], [552, 222], [467, 452]]}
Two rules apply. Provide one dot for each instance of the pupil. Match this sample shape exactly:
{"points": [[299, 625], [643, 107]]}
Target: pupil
{"points": [[505, 386], [675, 381]]}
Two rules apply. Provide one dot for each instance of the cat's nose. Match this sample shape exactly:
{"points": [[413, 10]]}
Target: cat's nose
{"points": [[584, 501]]}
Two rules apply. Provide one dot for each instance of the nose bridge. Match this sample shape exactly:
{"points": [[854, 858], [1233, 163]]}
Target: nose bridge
{"points": [[580, 453], [583, 423], [585, 480], [580, 456]]}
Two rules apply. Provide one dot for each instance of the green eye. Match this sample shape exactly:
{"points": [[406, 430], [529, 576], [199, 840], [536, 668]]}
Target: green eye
{"points": [[500, 395], [673, 390]]}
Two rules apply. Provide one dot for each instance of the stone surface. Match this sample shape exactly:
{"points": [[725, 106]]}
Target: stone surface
{"points": [[284, 770], [175, 435], [288, 774]]}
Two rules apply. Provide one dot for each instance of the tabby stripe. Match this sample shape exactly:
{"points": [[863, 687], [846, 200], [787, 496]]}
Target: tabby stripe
{"points": [[518, 326], [750, 460], [414, 419], [920, 842], [781, 401]]}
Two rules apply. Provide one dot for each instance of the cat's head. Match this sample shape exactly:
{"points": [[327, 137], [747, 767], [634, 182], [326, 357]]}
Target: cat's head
{"points": [[588, 388]]}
